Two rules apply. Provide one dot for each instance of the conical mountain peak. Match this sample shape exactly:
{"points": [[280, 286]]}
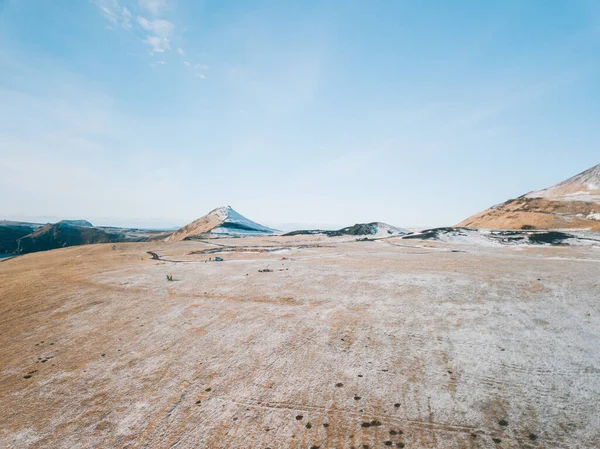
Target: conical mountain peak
{"points": [[223, 221]]}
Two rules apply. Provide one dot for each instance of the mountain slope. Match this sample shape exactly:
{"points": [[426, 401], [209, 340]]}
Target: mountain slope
{"points": [[11, 232], [571, 204], [220, 222], [79, 232], [64, 233], [582, 187]]}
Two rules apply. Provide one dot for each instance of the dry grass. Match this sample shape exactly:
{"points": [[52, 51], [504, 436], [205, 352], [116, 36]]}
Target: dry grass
{"points": [[537, 212], [438, 345]]}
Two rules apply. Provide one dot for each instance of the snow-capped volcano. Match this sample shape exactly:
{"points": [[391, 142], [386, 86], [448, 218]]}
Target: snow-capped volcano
{"points": [[221, 222]]}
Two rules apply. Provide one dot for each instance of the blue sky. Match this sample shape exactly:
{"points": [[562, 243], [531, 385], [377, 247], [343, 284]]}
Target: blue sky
{"points": [[416, 113]]}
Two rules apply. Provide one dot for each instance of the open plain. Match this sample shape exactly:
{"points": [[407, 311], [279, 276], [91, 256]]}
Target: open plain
{"points": [[301, 342]]}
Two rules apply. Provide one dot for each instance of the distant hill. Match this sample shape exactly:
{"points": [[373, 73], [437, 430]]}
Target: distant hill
{"points": [[374, 229], [22, 238], [221, 222], [80, 223], [11, 232], [571, 204], [64, 233]]}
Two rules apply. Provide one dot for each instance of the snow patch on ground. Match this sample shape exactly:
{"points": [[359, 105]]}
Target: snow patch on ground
{"points": [[490, 237], [386, 230]]}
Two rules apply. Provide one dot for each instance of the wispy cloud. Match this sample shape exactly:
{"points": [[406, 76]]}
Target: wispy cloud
{"points": [[153, 6], [199, 70], [160, 32], [116, 14], [157, 32], [147, 20]]}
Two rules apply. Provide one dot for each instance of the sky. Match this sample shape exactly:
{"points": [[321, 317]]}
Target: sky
{"points": [[415, 113]]}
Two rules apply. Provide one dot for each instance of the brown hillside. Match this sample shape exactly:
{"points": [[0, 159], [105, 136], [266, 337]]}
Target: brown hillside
{"points": [[571, 204], [537, 213]]}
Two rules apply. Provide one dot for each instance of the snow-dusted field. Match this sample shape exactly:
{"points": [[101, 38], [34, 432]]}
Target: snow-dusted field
{"points": [[301, 342]]}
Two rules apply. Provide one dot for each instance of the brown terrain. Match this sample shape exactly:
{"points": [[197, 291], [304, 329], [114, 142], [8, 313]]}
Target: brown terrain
{"points": [[571, 204], [301, 342], [198, 227], [536, 213]]}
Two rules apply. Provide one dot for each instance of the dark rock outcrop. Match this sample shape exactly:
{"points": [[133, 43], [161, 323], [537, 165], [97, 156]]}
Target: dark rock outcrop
{"points": [[373, 229]]}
